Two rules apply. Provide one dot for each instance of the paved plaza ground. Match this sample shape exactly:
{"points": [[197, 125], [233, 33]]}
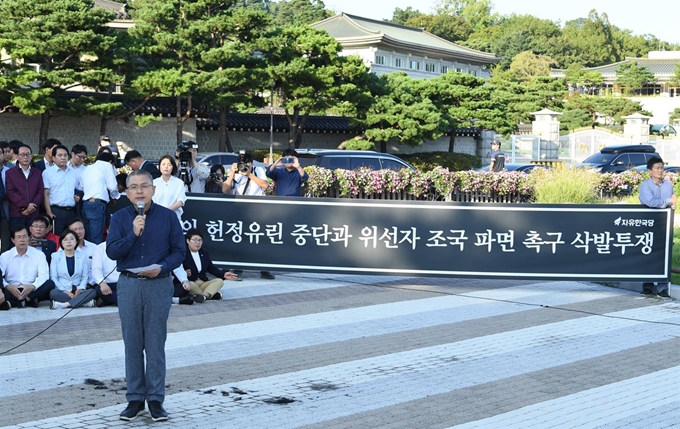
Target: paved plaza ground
{"points": [[324, 351]]}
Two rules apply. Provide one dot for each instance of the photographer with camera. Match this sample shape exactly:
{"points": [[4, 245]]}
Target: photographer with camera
{"points": [[288, 174], [189, 170], [244, 179], [216, 180]]}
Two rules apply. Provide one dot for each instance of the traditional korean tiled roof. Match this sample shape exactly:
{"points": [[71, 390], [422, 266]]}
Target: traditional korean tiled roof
{"points": [[119, 9], [351, 29], [661, 68], [254, 122]]}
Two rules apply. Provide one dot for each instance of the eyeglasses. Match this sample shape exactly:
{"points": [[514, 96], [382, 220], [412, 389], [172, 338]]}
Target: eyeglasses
{"points": [[196, 240], [38, 226], [24, 154], [69, 238], [144, 187], [81, 156]]}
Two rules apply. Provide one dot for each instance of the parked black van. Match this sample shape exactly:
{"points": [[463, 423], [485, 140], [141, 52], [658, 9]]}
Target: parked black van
{"points": [[350, 159], [619, 158]]}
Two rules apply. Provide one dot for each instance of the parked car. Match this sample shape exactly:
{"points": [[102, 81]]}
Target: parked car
{"points": [[351, 159], [522, 168], [662, 130], [669, 168], [226, 159], [619, 158]]}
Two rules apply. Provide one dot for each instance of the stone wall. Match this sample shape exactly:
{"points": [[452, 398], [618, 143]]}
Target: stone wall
{"points": [[158, 138], [153, 141]]}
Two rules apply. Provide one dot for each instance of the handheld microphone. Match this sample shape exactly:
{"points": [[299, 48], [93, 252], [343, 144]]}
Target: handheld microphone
{"points": [[140, 208]]}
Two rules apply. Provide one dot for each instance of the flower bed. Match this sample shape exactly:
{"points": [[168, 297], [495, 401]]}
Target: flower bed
{"points": [[442, 184]]}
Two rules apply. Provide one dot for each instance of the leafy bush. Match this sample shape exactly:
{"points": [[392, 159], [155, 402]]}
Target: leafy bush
{"points": [[359, 144], [565, 186], [426, 161]]}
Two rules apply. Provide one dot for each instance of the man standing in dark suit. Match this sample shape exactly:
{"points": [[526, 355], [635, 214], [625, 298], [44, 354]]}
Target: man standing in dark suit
{"points": [[47, 160], [24, 189], [134, 160]]}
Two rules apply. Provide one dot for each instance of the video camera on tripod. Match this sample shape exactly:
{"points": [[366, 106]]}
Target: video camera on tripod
{"points": [[184, 158]]}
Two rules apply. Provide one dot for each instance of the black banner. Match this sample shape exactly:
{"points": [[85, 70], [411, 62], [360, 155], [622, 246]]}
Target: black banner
{"points": [[418, 238]]}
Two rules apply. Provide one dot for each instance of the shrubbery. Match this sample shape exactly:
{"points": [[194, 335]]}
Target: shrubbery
{"points": [[576, 186]]}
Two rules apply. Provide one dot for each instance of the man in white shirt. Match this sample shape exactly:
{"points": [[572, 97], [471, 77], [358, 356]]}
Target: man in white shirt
{"points": [[193, 173], [245, 179], [105, 276], [26, 275], [60, 187], [78, 157], [99, 186]]}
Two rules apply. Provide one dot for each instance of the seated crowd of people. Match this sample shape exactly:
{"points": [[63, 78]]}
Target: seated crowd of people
{"points": [[53, 225]]}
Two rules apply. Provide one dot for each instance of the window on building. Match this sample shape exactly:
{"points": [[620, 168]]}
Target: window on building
{"points": [[445, 69], [473, 72], [459, 70], [380, 60], [399, 62], [414, 65], [429, 67]]}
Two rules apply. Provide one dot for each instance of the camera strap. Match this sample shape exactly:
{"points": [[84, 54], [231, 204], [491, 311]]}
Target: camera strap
{"points": [[245, 188]]}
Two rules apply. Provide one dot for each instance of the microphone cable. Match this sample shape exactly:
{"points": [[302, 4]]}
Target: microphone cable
{"points": [[55, 322]]}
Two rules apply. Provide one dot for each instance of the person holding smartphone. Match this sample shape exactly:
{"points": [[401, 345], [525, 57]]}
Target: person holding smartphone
{"points": [[288, 174]]}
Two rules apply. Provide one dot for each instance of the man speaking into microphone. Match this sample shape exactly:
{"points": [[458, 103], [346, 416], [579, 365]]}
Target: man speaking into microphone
{"points": [[146, 242]]}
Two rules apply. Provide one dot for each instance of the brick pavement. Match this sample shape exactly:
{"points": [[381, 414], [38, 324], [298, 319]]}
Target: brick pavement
{"points": [[363, 351]]}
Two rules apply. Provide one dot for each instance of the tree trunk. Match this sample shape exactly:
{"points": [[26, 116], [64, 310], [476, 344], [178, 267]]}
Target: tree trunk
{"points": [[452, 141], [292, 127], [225, 143], [103, 123], [383, 147], [180, 122], [44, 128]]}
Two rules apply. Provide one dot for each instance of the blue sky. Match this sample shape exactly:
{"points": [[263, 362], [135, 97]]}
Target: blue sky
{"points": [[660, 18]]}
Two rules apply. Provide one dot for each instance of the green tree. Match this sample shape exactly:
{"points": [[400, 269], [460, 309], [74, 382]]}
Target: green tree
{"points": [[298, 12], [400, 16], [585, 81], [229, 70], [572, 119], [403, 113], [516, 34], [674, 81], [522, 98], [65, 40], [477, 13], [311, 77], [464, 101], [613, 108], [526, 65], [675, 115], [589, 41], [632, 76], [452, 28], [171, 41]]}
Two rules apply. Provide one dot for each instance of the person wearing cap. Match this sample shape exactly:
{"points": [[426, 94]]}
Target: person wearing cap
{"points": [[289, 176], [105, 144], [98, 183], [497, 157]]}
